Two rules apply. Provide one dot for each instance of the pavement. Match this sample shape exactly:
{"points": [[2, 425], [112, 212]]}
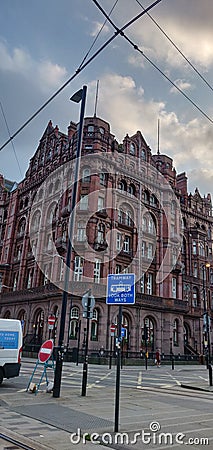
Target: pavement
{"points": [[70, 421]]}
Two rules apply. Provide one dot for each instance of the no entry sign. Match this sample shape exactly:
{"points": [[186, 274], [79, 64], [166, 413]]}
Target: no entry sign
{"points": [[45, 351], [51, 322]]}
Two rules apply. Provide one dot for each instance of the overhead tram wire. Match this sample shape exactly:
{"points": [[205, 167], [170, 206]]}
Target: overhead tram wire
{"points": [[177, 48], [98, 34], [118, 31], [135, 46], [12, 143]]}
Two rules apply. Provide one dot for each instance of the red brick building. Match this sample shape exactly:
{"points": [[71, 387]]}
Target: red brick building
{"points": [[134, 215]]}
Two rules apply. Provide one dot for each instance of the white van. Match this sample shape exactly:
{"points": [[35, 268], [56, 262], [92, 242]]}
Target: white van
{"points": [[11, 338]]}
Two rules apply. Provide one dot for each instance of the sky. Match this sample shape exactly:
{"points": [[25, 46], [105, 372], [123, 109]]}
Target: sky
{"points": [[43, 43]]}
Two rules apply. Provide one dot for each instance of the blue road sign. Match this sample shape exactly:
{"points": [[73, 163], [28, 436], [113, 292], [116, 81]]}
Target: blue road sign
{"points": [[123, 332], [121, 289]]}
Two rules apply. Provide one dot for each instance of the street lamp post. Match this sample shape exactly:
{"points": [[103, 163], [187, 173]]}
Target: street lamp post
{"points": [[77, 97], [206, 327]]}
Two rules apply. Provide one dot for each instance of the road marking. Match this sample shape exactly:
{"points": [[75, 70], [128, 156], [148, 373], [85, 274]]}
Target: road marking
{"points": [[175, 379], [98, 381], [139, 381]]}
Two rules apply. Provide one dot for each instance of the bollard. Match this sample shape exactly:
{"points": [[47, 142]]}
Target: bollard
{"points": [[173, 362], [210, 375]]}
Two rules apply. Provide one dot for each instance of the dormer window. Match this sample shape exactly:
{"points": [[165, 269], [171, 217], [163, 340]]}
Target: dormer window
{"points": [[132, 149], [90, 130], [143, 154], [101, 129]]}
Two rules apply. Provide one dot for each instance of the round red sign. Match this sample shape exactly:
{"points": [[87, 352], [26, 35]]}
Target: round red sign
{"points": [[45, 351], [51, 320], [112, 328]]}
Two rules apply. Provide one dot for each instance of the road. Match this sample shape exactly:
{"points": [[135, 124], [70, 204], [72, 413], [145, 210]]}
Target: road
{"points": [[101, 376], [153, 406]]}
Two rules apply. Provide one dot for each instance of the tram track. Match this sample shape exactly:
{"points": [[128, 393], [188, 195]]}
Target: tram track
{"points": [[6, 441]]}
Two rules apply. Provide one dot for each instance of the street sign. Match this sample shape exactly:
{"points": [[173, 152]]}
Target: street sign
{"points": [[45, 351], [51, 322], [112, 329], [85, 298], [121, 289], [123, 332]]}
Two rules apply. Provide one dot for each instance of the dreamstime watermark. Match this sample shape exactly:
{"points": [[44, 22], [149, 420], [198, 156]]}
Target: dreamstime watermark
{"points": [[129, 193], [152, 436]]}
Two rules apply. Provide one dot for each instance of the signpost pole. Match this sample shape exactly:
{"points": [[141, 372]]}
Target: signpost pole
{"points": [[120, 290], [112, 336], [110, 354], [118, 373]]}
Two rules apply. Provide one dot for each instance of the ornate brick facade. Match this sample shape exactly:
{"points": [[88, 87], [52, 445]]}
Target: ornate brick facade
{"points": [[134, 214]]}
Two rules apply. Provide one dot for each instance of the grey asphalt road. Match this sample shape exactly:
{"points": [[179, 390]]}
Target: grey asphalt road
{"points": [[155, 412]]}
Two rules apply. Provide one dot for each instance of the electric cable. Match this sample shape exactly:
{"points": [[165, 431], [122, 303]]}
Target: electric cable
{"points": [[153, 64], [177, 48], [118, 31], [8, 130], [98, 34]]}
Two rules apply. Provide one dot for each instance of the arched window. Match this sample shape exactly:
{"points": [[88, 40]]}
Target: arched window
{"points": [[74, 320], [7, 315], [120, 215], [101, 233], [50, 214], [86, 175], [38, 325], [22, 317], [94, 325], [195, 269], [132, 149], [201, 249], [103, 178], [186, 334], [21, 226], [122, 185], [131, 189], [175, 332], [146, 196], [143, 154], [148, 333], [195, 297], [144, 224], [49, 154], [90, 130], [129, 218], [153, 200]]}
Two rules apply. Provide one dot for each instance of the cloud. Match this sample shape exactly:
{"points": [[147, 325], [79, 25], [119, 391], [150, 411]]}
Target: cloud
{"points": [[43, 74], [124, 105], [189, 27], [181, 84], [97, 26]]}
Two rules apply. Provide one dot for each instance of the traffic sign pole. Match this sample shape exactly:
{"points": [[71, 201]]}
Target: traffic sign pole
{"points": [[88, 302], [112, 336], [118, 372]]}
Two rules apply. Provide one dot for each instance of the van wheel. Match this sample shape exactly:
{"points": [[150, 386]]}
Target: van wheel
{"points": [[1, 376]]}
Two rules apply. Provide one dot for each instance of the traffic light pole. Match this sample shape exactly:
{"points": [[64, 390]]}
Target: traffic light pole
{"points": [[85, 365]]}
